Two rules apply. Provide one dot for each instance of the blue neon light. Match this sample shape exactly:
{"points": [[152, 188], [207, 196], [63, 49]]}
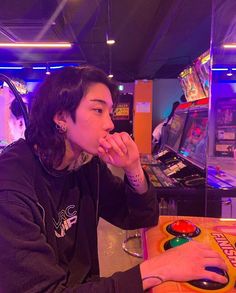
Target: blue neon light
{"points": [[40, 67], [11, 67], [220, 69], [56, 67]]}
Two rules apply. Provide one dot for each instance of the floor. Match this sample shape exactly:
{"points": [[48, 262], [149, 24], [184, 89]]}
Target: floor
{"points": [[110, 238], [112, 257]]}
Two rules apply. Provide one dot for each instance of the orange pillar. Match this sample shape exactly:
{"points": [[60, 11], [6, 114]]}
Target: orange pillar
{"points": [[142, 127]]}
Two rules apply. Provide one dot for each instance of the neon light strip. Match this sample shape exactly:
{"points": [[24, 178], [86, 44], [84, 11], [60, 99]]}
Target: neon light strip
{"points": [[9, 67], [40, 68], [220, 69], [56, 67], [35, 45], [36, 67], [44, 67], [229, 46]]}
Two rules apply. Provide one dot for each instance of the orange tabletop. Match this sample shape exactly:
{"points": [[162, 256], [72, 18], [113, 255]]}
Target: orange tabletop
{"points": [[219, 233]]}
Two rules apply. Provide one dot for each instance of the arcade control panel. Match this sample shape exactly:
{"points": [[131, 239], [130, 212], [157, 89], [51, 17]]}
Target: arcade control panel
{"points": [[166, 169], [172, 231]]}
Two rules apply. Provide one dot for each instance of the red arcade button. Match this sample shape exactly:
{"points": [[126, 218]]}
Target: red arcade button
{"points": [[183, 227]]}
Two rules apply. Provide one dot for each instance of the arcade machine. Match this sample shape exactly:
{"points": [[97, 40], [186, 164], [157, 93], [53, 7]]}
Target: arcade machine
{"points": [[222, 122], [179, 169], [219, 233], [123, 114], [221, 181], [222, 164]]}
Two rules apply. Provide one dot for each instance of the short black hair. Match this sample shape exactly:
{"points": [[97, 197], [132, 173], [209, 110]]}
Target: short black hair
{"points": [[16, 109], [61, 91]]}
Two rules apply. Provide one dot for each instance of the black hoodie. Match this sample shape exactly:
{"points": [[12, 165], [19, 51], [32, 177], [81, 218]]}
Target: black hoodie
{"points": [[48, 230]]}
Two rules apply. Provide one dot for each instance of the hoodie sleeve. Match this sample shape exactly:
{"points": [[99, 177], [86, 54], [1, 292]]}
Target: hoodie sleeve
{"points": [[122, 206], [29, 264]]}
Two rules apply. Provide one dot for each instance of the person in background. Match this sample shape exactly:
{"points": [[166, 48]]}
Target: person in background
{"points": [[16, 121], [159, 133], [55, 185], [183, 99]]}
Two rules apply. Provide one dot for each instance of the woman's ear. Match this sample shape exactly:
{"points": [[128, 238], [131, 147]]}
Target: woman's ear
{"points": [[60, 119]]}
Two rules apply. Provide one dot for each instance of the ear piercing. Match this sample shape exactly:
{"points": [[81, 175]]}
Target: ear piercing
{"points": [[61, 128]]}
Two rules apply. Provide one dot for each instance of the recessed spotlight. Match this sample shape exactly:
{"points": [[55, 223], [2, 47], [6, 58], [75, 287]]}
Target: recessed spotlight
{"points": [[111, 42]]}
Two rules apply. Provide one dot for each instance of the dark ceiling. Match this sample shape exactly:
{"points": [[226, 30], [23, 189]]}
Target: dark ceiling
{"points": [[154, 38]]}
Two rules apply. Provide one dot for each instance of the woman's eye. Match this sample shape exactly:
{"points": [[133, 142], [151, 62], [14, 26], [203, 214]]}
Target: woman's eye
{"points": [[98, 110]]}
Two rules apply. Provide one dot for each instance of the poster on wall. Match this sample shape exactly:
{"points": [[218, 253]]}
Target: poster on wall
{"points": [[121, 111], [143, 107]]}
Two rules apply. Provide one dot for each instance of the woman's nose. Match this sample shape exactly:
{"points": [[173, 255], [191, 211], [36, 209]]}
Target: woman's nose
{"points": [[109, 124]]}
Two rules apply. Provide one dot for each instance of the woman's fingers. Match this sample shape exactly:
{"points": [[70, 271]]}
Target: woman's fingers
{"points": [[114, 142]]}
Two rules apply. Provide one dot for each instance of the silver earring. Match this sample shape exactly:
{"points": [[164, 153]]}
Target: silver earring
{"points": [[61, 128]]}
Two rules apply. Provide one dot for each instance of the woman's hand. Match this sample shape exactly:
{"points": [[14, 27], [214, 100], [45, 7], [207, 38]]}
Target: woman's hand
{"points": [[183, 263], [119, 150]]}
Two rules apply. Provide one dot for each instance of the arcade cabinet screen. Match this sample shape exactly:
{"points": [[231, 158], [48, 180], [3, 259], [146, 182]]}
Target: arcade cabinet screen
{"points": [[191, 85], [225, 127], [202, 67], [176, 130], [193, 144]]}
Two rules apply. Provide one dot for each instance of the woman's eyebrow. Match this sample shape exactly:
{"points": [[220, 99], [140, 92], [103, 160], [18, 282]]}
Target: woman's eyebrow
{"points": [[101, 101], [98, 101]]}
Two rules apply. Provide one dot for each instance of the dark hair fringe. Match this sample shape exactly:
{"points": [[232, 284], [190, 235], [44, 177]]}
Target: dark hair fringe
{"points": [[61, 91]]}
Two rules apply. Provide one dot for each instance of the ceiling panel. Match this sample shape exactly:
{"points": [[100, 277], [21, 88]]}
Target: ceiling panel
{"points": [[154, 38]]}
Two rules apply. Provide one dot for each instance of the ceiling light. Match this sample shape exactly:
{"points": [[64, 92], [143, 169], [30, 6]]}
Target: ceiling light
{"points": [[219, 69], [230, 46], [229, 73], [110, 41], [48, 70], [56, 67], [110, 75], [39, 67], [35, 45], [121, 87], [109, 38], [11, 67]]}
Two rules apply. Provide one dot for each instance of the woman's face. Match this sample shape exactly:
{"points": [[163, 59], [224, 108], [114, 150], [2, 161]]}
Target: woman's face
{"points": [[92, 119]]}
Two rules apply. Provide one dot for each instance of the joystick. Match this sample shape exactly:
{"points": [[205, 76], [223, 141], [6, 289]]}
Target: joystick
{"points": [[183, 228], [174, 242], [208, 284]]}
